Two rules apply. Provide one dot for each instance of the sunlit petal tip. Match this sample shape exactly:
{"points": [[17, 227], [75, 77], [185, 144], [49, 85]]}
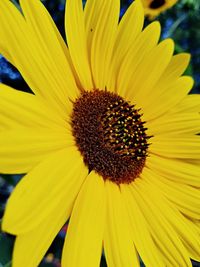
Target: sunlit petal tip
{"points": [[139, 6], [186, 57], [188, 81], [155, 26], [168, 44]]}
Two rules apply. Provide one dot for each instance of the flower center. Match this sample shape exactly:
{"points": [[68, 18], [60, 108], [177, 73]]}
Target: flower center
{"points": [[157, 3], [110, 135]]}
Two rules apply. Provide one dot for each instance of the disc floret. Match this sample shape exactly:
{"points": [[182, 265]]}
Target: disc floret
{"points": [[110, 134]]}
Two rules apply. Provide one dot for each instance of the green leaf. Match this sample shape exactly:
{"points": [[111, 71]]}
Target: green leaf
{"points": [[6, 247], [7, 264]]}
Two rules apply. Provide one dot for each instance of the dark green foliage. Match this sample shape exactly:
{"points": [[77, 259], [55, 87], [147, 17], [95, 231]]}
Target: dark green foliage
{"points": [[6, 247]]}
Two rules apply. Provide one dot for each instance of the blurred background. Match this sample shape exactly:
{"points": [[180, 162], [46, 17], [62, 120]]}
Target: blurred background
{"points": [[181, 21]]}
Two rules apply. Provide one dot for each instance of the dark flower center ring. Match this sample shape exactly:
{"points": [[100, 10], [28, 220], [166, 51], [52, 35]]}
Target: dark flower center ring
{"points": [[157, 3], [110, 135]]}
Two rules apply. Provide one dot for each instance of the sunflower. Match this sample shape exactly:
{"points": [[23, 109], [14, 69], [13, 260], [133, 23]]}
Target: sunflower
{"points": [[108, 138], [153, 8]]}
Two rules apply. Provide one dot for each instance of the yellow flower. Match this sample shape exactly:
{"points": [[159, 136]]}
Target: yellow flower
{"points": [[108, 138], [153, 8]]}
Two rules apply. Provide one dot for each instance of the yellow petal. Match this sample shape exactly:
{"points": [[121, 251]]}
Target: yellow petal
{"points": [[101, 19], [30, 248], [43, 189], [118, 244], [166, 238], [179, 89], [24, 148], [173, 71], [5, 53], [175, 124], [76, 39], [133, 19], [39, 20], [29, 52], [185, 197], [185, 231], [175, 170], [83, 244], [168, 79], [142, 238], [137, 52], [194, 226], [154, 64], [174, 146], [22, 109], [176, 67], [197, 225], [191, 103]]}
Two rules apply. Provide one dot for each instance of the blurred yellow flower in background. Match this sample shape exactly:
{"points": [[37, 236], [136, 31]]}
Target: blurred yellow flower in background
{"points": [[153, 8]]}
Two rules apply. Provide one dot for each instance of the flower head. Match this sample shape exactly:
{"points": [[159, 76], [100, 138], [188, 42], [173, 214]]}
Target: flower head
{"points": [[108, 138], [153, 8]]}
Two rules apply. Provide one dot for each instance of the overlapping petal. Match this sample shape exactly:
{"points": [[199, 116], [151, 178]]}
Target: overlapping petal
{"points": [[23, 148], [43, 190], [179, 89], [144, 43], [185, 197], [76, 39], [30, 247], [175, 69], [134, 19], [40, 51], [166, 238], [118, 244], [101, 20], [175, 124], [190, 103], [187, 234], [83, 244], [184, 147], [144, 85], [19, 109], [175, 170], [144, 242]]}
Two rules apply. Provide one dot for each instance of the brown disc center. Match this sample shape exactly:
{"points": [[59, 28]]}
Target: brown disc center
{"points": [[110, 135], [157, 3]]}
